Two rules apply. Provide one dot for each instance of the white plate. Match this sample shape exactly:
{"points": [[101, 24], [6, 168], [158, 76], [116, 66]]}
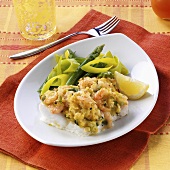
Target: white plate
{"points": [[141, 67]]}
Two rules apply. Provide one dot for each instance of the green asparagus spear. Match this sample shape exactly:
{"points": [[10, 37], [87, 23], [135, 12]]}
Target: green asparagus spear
{"points": [[77, 58], [79, 72]]}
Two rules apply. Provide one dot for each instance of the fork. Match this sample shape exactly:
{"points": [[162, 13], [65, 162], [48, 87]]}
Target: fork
{"points": [[100, 30]]}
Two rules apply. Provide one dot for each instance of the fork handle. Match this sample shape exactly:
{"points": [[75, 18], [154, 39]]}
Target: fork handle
{"points": [[41, 48]]}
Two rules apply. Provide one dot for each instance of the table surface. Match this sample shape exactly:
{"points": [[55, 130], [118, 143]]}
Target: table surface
{"points": [[156, 155]]}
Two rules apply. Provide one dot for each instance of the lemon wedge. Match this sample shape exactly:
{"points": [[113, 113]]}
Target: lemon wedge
{"points": [[132, 88]]}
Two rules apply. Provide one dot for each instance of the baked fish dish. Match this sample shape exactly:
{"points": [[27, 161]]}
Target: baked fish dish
{"points": [[86, 109]]}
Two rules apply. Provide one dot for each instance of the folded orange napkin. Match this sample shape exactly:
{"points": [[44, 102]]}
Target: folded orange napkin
{"points": [[120, 153]]}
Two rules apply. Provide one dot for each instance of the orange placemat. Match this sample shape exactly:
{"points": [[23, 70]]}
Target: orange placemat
{"points": [[120, 153]]}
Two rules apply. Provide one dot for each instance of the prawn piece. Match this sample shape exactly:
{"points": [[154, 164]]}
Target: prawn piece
{"points": [[101, 94], [106, 83], [109, 119], [100, 98], [56, 108], [84, 100], [88, 82], [49, 97], [102, 107]]}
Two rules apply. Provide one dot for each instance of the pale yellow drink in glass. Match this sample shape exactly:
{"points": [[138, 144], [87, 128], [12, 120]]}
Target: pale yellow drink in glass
{"points": [[36, 18]]}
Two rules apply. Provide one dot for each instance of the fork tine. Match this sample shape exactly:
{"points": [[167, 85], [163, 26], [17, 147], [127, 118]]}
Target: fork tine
{"points": [[109, 24], [110, 27], [105, 23]]}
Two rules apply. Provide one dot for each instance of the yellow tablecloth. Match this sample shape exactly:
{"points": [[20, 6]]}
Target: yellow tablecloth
{"points": [[157, 154]]}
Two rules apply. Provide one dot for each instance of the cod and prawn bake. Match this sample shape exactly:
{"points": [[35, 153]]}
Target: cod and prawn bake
{"points": [[81, 95]]}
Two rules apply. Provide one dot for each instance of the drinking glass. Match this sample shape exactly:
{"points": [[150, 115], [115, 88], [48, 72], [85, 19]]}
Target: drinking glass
{"points": [[36, 18]]}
